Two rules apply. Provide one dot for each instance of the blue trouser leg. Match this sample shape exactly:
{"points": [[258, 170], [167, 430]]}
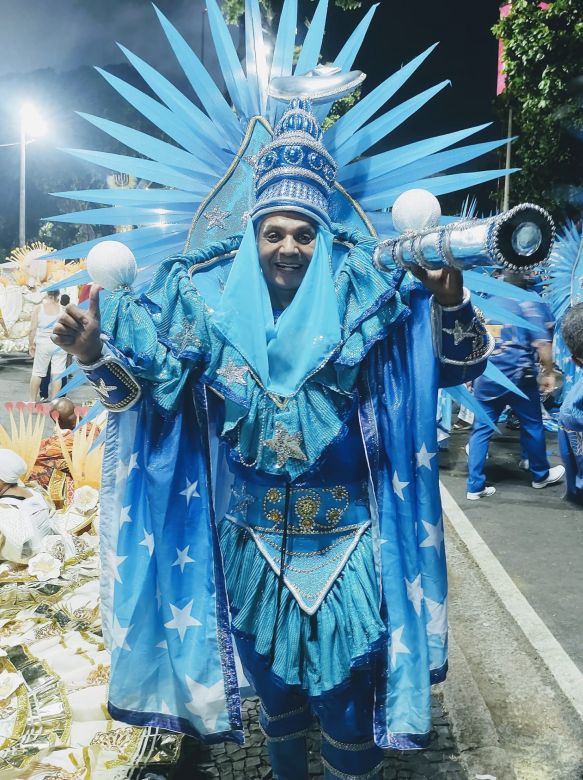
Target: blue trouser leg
{"points": [[533, 440], [285, 716], [346, 720], [479, 443]]}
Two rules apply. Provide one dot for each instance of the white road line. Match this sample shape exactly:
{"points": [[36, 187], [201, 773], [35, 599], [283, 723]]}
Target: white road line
{"points": [[565, 672]]}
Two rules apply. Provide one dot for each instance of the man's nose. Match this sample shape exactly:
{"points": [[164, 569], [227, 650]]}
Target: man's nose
{"points": [[289, 246]]}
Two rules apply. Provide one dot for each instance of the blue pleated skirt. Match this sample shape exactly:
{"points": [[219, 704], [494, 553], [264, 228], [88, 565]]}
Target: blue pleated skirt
{"points": [[315, 652]]}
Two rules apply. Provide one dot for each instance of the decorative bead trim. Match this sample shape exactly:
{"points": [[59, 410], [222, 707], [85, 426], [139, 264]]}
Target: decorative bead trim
{"points": [[372, 775], [286, 737], [284, 715], [349, 746]]}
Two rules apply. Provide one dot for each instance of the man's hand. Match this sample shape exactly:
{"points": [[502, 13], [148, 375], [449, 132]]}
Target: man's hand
{"points": [[78, 332], [446, 284], [31, 350]]}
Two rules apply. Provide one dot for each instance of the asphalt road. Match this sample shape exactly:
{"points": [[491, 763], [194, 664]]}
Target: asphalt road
{"points": [[536, 536]]}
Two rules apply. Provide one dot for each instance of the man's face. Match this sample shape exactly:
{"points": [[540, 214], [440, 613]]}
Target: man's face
{"points": [[286, 244]]}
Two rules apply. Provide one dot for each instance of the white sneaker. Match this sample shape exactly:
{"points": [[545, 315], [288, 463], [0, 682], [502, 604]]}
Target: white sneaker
{"points": [[556, 474], [523, 464], [487, 491]]}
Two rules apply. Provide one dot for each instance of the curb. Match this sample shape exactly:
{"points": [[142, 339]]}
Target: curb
{"points": [[474, 731]]}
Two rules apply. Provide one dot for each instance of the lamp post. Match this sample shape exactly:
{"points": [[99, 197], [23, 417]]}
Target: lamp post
{"points": [[31, 126]]}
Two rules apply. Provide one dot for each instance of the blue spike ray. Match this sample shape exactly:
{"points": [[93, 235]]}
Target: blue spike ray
{"points": [[283, 54], [157, 150], [202, 83], [159, 115], [229, 61], [134, 239], [426, 166], [99, 440], [438, 185], [94, 412], [210, 139], [462, 395], [354, 119], [312, 45], [493, 372], [370, 134], [379, 165], [118, 215], [347, 55], [72, 369], [144, 169], [496, 311], [255, 57], [479, 282], [139, 197], [72, 384]]}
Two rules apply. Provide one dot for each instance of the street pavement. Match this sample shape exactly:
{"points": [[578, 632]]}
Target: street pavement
{"points": [[536, 536]]}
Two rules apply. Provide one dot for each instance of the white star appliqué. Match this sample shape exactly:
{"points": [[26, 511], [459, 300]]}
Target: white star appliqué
{"points": [[437, 626], [424, 457], [115, 561], [119, 635], [397, 646], [133, 463], [190, 491], [415, 593], [434, 536], [398, 486], [183, 558], [125, 515], [148, 541], [182, 619], [206, 703]]}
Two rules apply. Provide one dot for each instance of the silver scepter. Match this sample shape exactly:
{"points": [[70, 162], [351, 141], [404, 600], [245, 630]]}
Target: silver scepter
{"points": [[518, 239]]}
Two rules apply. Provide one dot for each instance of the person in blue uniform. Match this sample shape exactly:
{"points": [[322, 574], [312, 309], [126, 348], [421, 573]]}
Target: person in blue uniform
{"points": [[298, 409], [571, 413], [517, 353]]}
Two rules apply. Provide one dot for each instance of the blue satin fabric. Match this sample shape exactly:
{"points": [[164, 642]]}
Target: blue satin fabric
{"points": [[184, 679], [285, 352]]}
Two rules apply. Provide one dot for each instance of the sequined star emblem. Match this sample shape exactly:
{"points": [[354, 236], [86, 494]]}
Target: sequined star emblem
{"points": [[233, 374], [187, 338], [103, 389], [286, 445], [216, 217], [461, 332]]}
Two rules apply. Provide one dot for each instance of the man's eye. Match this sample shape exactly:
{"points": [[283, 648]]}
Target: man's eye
{"points": [[305, 238], [274, 237]]}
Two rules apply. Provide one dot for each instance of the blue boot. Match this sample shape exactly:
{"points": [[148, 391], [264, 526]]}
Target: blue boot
{"points": [[289, 758]]}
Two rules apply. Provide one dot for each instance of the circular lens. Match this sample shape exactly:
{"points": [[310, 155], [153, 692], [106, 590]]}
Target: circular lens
{"points": [[526, 239]]}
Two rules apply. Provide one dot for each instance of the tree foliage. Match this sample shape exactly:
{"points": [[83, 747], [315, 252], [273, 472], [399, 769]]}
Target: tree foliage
{"points": [[543, 54]]}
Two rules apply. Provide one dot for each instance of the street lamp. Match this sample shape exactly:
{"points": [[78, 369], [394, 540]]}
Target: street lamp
{"points": [[31, 126]]}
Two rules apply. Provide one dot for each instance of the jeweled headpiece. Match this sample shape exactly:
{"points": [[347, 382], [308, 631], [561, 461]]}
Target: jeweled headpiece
{"points": [[295, 172]]}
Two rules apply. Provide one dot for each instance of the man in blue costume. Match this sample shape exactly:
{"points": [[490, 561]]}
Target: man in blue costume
{"points": [[571, 414], [276, 452], [516, 353]]}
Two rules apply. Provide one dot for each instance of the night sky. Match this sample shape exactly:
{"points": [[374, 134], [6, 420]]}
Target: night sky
{"points": [[44, 41]]}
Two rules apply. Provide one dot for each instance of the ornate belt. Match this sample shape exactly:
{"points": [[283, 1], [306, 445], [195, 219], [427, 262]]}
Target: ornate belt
{"points": [[324, 525]]}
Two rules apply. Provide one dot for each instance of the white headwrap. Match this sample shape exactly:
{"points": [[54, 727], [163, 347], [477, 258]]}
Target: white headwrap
{"points": [[12, 466]]}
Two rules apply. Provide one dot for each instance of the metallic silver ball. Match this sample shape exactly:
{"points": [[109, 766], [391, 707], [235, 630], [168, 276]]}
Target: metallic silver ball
{"points": [[416, 210], [112, 265]]}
